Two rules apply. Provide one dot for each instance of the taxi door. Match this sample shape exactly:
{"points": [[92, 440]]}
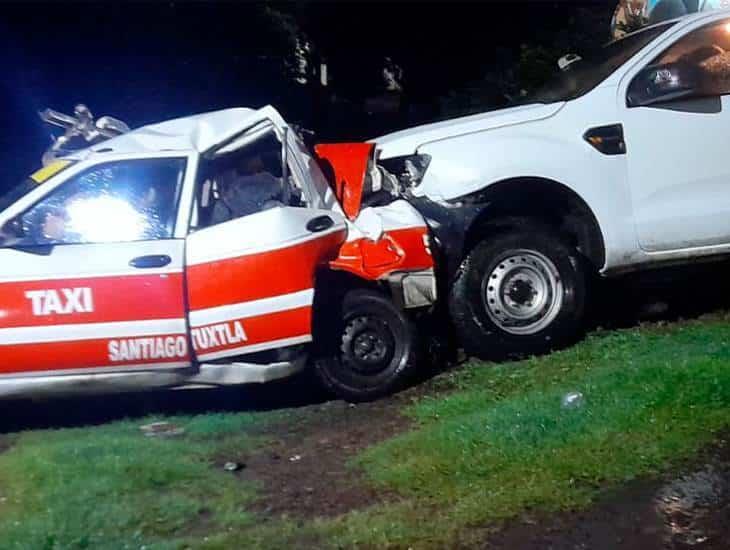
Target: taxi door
{"points": [[91, 274], [251, 274]]}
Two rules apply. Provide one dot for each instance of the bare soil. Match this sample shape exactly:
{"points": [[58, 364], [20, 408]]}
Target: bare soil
{"points": [[305, 471], [687, 510]]}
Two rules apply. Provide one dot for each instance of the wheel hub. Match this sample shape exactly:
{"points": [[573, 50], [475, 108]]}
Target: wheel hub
{"points": [[523, 293], [369, 345]]}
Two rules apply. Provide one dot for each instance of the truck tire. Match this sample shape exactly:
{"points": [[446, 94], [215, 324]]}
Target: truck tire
{"points": [[519, 293], [370, 351]]}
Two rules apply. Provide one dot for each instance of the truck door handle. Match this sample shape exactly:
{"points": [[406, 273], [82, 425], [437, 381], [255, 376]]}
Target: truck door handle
{"points": [[153, 260], [320, 223]]}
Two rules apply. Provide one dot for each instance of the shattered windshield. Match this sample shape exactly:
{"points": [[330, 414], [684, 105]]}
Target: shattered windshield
{"points": [[587, 73], [17, 192], [32, 182]]}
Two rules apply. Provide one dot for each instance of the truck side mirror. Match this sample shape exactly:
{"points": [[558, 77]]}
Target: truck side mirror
{"points": [[663, 83]]}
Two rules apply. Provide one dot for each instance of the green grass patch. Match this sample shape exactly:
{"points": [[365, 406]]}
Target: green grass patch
{"points": [[503, 443], [112, 487], [497, 444]]}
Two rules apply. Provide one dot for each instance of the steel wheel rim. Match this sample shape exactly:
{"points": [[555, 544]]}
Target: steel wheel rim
{"points": [[371, 346], [523, 293]]}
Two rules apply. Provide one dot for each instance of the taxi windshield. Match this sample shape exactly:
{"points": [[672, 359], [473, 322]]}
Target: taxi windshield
{"points": [[32, 182], [17, 192]]}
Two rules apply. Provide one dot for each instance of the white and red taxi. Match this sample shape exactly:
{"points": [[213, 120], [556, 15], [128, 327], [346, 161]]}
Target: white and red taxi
{"points": [[118, 272]]}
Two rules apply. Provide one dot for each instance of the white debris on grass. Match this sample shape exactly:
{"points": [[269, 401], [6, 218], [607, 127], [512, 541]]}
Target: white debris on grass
{"points": [[573, 400]]}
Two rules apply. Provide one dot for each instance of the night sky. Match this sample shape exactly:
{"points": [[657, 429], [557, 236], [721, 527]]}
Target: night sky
{"points": [[148, 62]]}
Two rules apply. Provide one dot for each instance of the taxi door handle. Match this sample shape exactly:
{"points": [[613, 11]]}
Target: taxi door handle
{"points": [[153, 260], [320, 223]]}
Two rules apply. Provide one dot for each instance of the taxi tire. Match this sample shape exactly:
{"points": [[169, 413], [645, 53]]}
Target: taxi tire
{"points": [[365, 313]]}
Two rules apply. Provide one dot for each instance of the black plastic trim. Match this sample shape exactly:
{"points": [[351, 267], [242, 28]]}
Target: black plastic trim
{"points": [[151, 261], [709, 105], [320, 223], [608, 140], [37, 249]]}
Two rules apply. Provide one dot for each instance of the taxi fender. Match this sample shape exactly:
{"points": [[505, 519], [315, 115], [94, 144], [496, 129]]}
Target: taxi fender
{"points": [[384, 240]]}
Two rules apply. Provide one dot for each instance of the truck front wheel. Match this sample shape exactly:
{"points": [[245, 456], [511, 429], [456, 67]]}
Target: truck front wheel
{"points": [[519, 293], [370, 351]]}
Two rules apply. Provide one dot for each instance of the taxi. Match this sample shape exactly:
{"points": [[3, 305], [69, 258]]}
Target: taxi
{"points": [[128, 266]]}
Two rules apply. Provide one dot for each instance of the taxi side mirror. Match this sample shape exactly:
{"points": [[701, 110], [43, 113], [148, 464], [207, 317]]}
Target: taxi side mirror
{"points": [[13, 228], [11, 232]]}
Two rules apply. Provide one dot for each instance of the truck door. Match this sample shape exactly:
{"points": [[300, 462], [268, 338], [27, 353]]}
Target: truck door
{"points": [[676, 115], [253, 250], [92, 279]]}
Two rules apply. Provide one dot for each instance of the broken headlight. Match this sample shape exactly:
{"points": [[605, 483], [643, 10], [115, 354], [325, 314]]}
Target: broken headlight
{"points": [[409, 169]]}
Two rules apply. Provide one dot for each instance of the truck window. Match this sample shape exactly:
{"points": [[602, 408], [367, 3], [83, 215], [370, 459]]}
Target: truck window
{"points": [[706, 53], [594, 67], [118, 201]]}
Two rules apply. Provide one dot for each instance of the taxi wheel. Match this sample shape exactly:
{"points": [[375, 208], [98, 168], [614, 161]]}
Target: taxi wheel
{"points": [[373, 350]]}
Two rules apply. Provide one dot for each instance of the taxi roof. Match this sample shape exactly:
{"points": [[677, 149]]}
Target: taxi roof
{"points": [[198, 133]]}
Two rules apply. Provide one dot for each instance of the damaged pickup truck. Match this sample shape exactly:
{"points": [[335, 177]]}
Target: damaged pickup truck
{"points": [[619, 163], [206, 251]]}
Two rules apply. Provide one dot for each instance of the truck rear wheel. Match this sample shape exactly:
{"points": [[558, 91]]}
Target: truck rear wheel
{"points": [[519, 293], [370, 351]]}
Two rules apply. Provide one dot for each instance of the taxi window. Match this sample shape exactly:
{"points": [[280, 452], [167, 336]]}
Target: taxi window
{"points": [[118, 201], [242, 179]]}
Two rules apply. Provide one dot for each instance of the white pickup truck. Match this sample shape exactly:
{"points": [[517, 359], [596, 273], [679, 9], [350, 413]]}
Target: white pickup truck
{"points": [[620, 163]]}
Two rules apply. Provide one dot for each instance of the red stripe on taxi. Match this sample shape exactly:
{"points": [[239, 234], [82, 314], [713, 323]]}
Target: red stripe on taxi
{"points": [[250, 331], [261, 275], [84, 354], [113, 298]]}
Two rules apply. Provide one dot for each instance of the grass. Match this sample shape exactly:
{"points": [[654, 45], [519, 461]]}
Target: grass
{"points": [[111, 487], [498, 445], [503, 443]]}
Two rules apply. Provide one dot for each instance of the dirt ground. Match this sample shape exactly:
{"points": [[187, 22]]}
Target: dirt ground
{"points": [[690, 509], [305, 471]]}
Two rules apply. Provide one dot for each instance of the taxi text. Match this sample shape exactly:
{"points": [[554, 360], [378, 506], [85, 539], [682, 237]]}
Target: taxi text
{"points": [[63, 301], [138, 349], [214, 336]]}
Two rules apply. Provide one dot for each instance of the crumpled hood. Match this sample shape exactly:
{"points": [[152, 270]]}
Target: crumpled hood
{"points": [[406, 142]]}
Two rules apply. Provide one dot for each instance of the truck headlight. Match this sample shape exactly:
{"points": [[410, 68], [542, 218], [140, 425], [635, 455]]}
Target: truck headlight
{"points": [[409, 169]]}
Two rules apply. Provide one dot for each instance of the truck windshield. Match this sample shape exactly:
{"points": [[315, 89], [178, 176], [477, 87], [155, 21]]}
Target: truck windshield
{"points": [[587, 73]]}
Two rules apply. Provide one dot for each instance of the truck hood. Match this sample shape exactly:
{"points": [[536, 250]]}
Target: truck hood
{"points": [[406, 142]]}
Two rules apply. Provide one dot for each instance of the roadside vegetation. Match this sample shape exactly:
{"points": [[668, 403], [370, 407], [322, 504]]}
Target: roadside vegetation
{"points": [[112, 487], [492, 442]]}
